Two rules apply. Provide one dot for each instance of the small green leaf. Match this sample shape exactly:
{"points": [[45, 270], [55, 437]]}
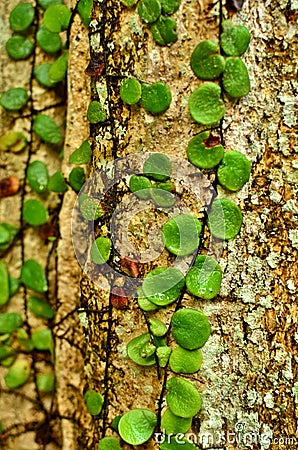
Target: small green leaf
{"points": [[85, 9], [37, 175], [40, 307], [14, 99], [157, 328], [21, 17], [6, 352], [185, 361], [163, 285], [144, 303], [234, 170], [58, 69], [156, 97], [91, 208], [46, 128], [94, 402], [205, 104], [129, 3], [56, 18], [81, 155], [163, 354], [101, 250], [235, 78], [35, 213], [130, 91], [46, 3], [205, 150], [137, 426], [170, 6], [7, 234], [173, 424], [183, 399], [140, 186], [19, 47], [190, 328], [164, 31], [45, 382], [141, 351], [182, 234], [33, 276], [162, 198], [235, 38], [149, 10], [157, 166], [17, 374], [13, 141], [4, 283], [42, 75], [225, 219], [96, 112], [14, 285], [109, 443], [77, 178], [48, 41], [9, 322], [57, 183], [206, 62], [204, 278], [24, 340], [42, 339]]}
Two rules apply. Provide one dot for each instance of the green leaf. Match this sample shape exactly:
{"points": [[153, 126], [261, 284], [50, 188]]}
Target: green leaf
{"points": [[14, 285], [6, 352], [21, 17], [14, 99], [94, 402], [172, 424], [129, 3], [24, 340], [101, 250], [90, 208], [45, 127], [163, 354], [204, 279], [77, 178], [205, 104], [157, 166], [42, 75], [185, 361], [183, 399], [235, 80], [81, 155], [58, 69], [130, 91], [33, 276], [149, 10], [85, 9], [141, 351], [234, 170], [190, 328], [235, 38], [140, 186], [96, 112], [17, 374], [9, 322], [57, 183], [225, 219], [42, 339], [7, 234], [37, 175], [13, 141], [56, 18], [48, 41], [182, 234], [137, 426], [19, 47], [4, 283], [157, 328], [170, 6], [35, 213], [45, 382], [206, 62], [109, 443], [205, 150], [46, 3], [144, 303], [40, 307], [156, 97], [163, 285], [162, 198], [164, 31]]}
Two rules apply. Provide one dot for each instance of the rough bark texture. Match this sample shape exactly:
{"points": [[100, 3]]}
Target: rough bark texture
{"points": [[248, 379]]}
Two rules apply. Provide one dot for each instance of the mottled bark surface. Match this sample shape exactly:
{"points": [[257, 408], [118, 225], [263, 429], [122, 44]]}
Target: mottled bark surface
{"points": [[249, 377]]}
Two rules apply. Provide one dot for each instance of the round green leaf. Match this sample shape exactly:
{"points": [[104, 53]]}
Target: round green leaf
{"points": [[81, 155], [9, 322], [204, 279], [45, 382], [183, 399], [163, 285], [141, 351], [156, 97], [225, 219], [58, 69], [157, 328], [19, 47], [57, 183], [157, 166], [56, 18], [24, 340], [173, 424], [21, 17], [109, 443], [149, 10], [40, 307], [144, 303], [14, 99], [94, 402], [140, 186], [96, 112], [130, 91], [4, 235], [204, 150], [33, 276], [42, 75], [42, 339], [205, 104], [185, 361], [91, 209], [84, 10], [163, 354], [137, 426], [45, 127], [6, 352], [235, 38], [206, 62], [182, 234], [101, 250], [164, 31], [48, 41], [13, 141], [37, 175], [77, 178], [235, 78], [162, 198], [234, 170], [35, 213], [46, 3], [170, 6], [7, 234], [190, 328], [4, 283], [17, 374], [14, 285]]}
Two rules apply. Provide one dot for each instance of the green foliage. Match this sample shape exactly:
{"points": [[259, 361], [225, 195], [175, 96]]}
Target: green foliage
{"points": [[206, 62], [185, 361], [40, 307], [9, 322], [18, 374], [19, 47], [46, 3], [48, 41], [14, 285], [85, 9], [157, 328], [170, 6], [140, 186], [35, 213], [234, 170], [57, 183], [77, 178], [235, 78], [163, 285], [204, 278], [56, 18], [13, 141], [58, 69], [162, 198], [163, 354], [45, 382], [90, 208], [137, 426], [42, 339], [21, 17], [4, 283], [190, 328], [42, 75], [174, 424], [225, 219], [182, 398], [24, 340], [130, 91], [81, 155], [33, 276], [14, 99], [141, 351], [156, 97], [7, 234], [164, 31], [94, 402], [37, 176], [109, 443], [101, 250], [157, 166], [182, 234], [235, 38], [204, 150], [46, 128], [205, 104], [149, 10], [96, 112], [144, 303], [129, 3]]}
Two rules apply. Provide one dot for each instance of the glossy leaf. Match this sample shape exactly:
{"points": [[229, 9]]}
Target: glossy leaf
{"points": [[235, 80], [42, 75], [172, 424], [85, 9], [204, 278], [37, 176], [163, 285], [109, 443], [33, 276], [205, 150], [234, 170], [58, 69], [35, 213], [137, 426], [100, 250], [94, 402], [141, 351], [185, 361], [57, 183], [205, 104], [96, 112], [130, 91], [190, 328], [157, 166], [164, 31], [21, 16], [156, 97], [225, 219], [42, 339], [77, 178], [56, 18], [182, 234], [4, 283], [149, 10], [46, 128], [45, 382], [182, 398], [206, 62], [48, 41]]}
